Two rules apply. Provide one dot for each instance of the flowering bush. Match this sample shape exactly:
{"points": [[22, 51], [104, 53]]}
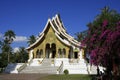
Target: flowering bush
{"points": [[103, 40]]}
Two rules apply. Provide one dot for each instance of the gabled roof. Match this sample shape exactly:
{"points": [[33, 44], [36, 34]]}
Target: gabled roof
{"points": [[60, 30]]}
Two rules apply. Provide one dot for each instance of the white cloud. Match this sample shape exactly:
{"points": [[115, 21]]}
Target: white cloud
{"points": [[20, 39], [16, 49], [17, 39]]}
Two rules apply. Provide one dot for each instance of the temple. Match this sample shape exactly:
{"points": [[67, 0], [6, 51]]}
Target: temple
{"points": [[54, 52], [54, 48], [55, 42]]}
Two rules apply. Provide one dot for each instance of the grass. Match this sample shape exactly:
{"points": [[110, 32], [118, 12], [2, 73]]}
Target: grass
{"points": [[67, 77]]}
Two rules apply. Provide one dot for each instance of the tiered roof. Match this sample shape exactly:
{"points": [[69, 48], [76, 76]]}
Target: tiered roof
{"points": [[60, 32]]}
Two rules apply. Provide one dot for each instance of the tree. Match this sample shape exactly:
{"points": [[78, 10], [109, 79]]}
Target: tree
{"points": [[79, 36], [103, 40], [4, 54], [31, 40], [0, 46], [1, 42], [20, 56], [9, 37], [23, 54]]}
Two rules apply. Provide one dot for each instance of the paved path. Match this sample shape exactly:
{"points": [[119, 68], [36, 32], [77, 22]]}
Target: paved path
{"points": [[22, 76]]}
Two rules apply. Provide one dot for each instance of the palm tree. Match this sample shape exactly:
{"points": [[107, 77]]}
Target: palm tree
{"points": [[79, 36], [31, 40], [23, 54], [9, 37], [106, 12]]}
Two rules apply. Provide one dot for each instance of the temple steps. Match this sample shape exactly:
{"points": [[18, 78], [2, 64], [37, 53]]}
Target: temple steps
{"points": [[12, 67], [46, 62], [75, 67], [44, 68], [40, 69]]}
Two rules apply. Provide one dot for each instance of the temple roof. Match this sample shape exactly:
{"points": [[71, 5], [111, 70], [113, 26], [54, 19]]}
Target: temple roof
{"points": [[60, 31]]}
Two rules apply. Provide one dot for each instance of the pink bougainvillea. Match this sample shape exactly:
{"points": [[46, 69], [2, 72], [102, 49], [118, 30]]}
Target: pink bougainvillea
{"points": [[105, 23], [104, 43]]}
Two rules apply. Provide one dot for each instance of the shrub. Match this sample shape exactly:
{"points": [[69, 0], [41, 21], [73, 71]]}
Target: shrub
{"points": [[66, 72]]}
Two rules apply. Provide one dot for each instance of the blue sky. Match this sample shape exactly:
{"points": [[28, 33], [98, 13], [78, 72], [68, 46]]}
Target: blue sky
{"points": [[27, 17]]}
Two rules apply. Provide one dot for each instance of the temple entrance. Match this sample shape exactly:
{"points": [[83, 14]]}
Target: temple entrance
{"points": [[75, 55], [53, 50], [47, 50], [70, 53], [61, 53], [50, 50]]}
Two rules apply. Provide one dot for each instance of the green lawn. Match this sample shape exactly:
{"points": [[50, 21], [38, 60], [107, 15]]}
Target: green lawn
{"points": [[66, 77]]}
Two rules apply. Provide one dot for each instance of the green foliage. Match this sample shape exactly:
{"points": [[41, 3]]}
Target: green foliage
{"points": [[3, 60], [9, 36], [21, 56], [0, 44], [79, 36], [7, 55], [66, 72], [31, 40], [103, 39], [8, 39]]}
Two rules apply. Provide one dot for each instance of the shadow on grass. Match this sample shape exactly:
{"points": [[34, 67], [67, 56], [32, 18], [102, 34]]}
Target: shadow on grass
{"points": [[104, 77]]}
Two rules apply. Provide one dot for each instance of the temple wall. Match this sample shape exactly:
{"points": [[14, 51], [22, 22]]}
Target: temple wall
{"points": [[50, 38]]}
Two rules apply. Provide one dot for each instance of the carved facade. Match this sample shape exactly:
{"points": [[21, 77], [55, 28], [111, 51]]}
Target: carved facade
{"points": [[54, 42]]}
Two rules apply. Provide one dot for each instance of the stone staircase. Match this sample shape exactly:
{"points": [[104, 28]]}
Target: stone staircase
{"points": [[76, 67], [44, 68], [46, 62], [12, 67]]}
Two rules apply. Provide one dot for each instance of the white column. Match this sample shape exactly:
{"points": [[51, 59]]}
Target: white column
{"points": [[31, 57], [31, 54], [80, 54]]}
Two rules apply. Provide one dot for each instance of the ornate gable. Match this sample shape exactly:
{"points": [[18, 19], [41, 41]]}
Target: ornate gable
{"points": [[55, 28]]}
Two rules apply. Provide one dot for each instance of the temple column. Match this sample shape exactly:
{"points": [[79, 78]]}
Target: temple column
{"points": [[43, 53], [81, 54], [35, 53], [31, 54], [56, 56], [67, 53]]}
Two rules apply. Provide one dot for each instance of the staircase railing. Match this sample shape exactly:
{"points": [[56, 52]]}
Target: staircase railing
{"points": [[30, 61], [22, 67], [74, 61], [42, 60], [52, 60], [60, 69]]}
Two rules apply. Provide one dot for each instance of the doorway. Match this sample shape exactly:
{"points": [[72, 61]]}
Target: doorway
{"points": [[53, 50], [47, 50], [50, 51], [75, 55]]}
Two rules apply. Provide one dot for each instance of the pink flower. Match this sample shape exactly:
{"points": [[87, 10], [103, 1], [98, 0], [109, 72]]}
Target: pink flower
{"points": [[104, 33], [105, 23], [118, 23]]}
